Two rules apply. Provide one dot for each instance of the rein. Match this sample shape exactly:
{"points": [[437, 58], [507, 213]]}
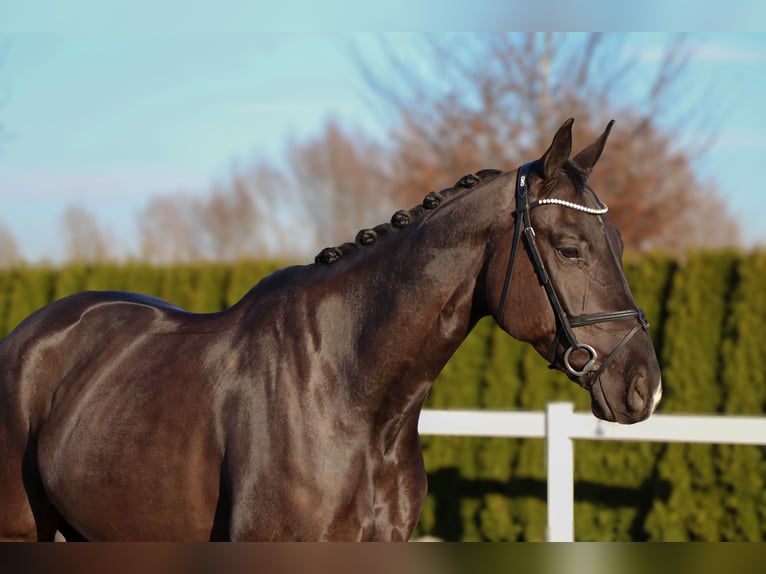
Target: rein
{"points": [[565, 323]]}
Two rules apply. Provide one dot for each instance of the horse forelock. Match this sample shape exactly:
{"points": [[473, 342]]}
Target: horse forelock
{"points": [[574, 174], [404, 217], [577, 176]]}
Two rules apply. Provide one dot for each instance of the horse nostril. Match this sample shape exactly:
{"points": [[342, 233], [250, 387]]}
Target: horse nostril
{"points": [[638, 393]]}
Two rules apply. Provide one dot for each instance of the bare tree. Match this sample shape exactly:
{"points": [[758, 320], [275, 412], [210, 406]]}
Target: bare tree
{"points": [[85, 240], [341, 182], [168, 230], [466, 102], [247, 216], [492, 100], [10, 255], [251, 215], [334, 185]]}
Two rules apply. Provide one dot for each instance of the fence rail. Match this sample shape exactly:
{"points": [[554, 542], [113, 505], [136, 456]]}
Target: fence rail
{"points": [[559, 425]]}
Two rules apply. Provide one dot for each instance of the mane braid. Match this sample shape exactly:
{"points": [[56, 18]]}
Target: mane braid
{"points": [[404, 217]]}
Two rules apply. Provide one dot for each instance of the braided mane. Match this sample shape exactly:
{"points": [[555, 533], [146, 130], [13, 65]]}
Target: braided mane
{"points": [[404, 217]]}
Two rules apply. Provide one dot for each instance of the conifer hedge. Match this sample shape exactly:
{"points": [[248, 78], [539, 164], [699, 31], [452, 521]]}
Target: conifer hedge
{"points": [[708, 317]]}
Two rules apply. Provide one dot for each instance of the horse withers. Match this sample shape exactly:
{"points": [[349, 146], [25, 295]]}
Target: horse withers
{"points": [[293, 414]]}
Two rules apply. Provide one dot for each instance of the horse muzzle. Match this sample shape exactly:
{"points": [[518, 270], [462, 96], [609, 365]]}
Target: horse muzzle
{"points": [[626, 402]]}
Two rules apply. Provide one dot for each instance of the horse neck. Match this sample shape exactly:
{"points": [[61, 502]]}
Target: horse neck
{"points": [[414, 301]]}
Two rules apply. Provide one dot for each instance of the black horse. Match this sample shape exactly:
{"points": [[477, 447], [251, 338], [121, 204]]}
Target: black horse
{"points": [[293, 415]]}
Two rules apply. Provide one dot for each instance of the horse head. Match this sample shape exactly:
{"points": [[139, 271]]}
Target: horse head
{"points": [[555, 280]]}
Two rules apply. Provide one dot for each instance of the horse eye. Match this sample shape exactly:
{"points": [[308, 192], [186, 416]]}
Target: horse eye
{"points": [[569, 252]]}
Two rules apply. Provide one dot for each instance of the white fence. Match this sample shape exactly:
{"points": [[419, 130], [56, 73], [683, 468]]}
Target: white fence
{"points": [[559, 425]]}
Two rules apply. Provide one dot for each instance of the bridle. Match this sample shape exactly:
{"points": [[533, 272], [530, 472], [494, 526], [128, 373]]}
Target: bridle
{"points": [[565, 323]]}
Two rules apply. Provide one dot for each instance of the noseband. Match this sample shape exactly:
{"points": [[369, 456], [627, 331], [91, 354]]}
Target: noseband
{"points": [[565, 323]]}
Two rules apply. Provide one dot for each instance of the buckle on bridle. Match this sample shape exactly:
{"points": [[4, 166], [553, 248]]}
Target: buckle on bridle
{"points": [[590, 364], [642, 320]]}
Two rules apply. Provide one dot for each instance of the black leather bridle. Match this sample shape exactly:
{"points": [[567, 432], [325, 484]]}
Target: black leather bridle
{"points": [[565, 323]]}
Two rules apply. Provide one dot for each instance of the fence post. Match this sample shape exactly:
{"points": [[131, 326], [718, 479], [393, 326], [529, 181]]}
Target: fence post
{"points": [[560, 463]]}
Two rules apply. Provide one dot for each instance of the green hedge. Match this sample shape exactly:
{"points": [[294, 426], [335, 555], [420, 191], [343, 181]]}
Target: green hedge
{"points": [[708, 317]]}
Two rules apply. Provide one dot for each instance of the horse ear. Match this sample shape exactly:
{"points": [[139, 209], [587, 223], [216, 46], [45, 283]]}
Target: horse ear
{"points": [[561, 146], [588, 157]]}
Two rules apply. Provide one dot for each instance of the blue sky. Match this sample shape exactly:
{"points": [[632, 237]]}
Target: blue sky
{"points": [[107, 119]]}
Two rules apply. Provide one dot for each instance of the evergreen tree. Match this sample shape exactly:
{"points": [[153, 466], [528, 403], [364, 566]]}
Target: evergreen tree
{"points": [[614, 482], [500, 387], [31, 288], [451, 461], [742, 469], [213, 284], [69, 280], [140, 278], [6, 281], [697, 311]]}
